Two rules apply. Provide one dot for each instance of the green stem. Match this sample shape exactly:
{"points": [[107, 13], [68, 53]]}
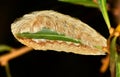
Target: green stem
{"points": [[7, 69], [118, 66], [113, 57]]}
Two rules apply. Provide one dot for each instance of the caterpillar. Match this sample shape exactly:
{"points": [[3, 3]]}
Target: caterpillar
{"points": [[51, 30]]}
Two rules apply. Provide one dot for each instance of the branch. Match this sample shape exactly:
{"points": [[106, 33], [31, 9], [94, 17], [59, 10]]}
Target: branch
{"points": [[13, 54]]}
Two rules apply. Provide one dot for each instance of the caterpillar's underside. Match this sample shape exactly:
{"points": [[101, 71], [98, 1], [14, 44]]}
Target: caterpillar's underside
{"points": [[62, 24]]}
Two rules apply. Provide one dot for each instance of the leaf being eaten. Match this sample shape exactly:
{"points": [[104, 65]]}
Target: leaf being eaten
{"points": [[47, 34]]}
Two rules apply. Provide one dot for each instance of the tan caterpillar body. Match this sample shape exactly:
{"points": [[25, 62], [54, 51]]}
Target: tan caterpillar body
{"points": [[62, 24]]}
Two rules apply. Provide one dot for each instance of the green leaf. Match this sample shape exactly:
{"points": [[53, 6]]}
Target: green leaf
{"points": [[47, 34], [88, 3], [103, 7], [5, 48]]}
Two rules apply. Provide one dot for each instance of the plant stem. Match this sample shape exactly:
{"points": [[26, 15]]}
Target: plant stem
{"points": [[7, 69], [118, 66], [112, 69], [113, 56], [13, 54]]}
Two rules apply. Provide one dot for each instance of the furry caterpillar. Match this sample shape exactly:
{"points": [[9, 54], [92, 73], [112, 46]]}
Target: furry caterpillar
{"points": [[50, 30]]}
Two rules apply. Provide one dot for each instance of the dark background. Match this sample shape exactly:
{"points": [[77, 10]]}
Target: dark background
{"points": [[50, 63]]}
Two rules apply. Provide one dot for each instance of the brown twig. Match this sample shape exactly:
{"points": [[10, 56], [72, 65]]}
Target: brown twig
{"points": [[15, 53], [105, 61]]}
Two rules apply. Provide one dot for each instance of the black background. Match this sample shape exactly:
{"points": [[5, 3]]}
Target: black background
{"points": [[50, 63]]}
